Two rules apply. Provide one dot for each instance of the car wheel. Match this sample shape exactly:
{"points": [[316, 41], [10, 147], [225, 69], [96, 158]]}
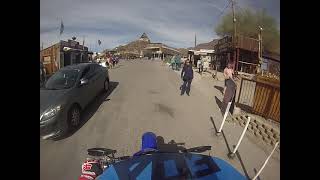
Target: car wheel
{"points": [[74, 116], [106, 85]]}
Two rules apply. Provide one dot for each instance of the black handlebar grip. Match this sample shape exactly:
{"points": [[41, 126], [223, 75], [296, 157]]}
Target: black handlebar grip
{"points": [[100, 151]]}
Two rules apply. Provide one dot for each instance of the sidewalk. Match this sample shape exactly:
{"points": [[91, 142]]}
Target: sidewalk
{"points": [[252, 151]]}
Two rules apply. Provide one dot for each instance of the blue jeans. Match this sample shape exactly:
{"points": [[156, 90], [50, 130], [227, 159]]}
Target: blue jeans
{"points": [[186, 86]]}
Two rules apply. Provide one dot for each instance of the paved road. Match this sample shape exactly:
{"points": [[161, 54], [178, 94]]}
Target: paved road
{"points": [[145, 96]]}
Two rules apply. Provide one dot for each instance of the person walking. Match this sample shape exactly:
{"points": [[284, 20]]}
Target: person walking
{"points": [[173, 62], [113, 61], [205, 65], [200, 66], [228, 74], [117, 60], [187, 76], [178, 62]]}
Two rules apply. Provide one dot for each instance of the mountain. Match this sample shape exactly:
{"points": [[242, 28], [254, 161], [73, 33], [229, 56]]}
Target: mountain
{"points": [[134, 47]]}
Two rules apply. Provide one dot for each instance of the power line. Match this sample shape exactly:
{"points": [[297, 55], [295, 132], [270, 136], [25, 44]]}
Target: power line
{"points": [[224, 9], [240, 8]]}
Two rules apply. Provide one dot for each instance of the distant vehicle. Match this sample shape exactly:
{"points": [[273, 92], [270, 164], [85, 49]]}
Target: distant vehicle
{"points": [[66, 94]]}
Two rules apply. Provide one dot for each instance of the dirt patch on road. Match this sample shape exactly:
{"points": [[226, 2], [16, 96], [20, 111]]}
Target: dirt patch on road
{"points": [[164, 109], [153, 92]]}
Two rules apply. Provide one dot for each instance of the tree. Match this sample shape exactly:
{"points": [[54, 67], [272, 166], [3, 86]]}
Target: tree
{"points": [[247, 23]]}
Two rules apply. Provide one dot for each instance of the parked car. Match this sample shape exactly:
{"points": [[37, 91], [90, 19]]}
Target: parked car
{"points": [[66, 93]]}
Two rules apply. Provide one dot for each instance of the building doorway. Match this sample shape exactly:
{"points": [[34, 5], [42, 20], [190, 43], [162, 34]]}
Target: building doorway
{"points": [[67, 59]]}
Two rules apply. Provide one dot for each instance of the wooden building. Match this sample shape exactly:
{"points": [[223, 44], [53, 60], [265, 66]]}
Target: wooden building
{"points": [[62, 54], [159, 50], [196, 55], [271, 63], [244, 55]]}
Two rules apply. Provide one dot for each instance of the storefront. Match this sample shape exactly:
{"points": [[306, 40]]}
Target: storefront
{"points": [[63, 54], [243, 54]]}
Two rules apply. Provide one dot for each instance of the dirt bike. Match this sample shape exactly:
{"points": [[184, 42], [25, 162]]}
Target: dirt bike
{"points": [[163, 161]]}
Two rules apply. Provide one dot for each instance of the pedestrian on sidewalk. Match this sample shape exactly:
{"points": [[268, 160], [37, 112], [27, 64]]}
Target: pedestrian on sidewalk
{"points": [[200, 66], [107, 64], [173, 62], [206, 66], [228, 74], [187, 76], [177, 62], [113, 61]]}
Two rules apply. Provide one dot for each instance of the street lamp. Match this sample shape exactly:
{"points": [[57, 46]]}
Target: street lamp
{"points": [[260, 46], [66, 49], [260, 41], [260, 28]]}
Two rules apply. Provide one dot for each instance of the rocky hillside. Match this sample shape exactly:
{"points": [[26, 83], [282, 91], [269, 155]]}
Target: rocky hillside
{"points": [[134, 46]]}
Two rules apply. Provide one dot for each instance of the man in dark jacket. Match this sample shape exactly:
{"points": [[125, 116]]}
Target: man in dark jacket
{"points": [[187, 76]]}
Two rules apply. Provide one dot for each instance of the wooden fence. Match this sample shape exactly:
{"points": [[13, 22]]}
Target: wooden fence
{"points": [[260, 98]]}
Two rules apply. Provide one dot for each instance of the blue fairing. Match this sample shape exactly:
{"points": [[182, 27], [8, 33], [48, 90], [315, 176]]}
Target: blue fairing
{"points": [[172, 165]]}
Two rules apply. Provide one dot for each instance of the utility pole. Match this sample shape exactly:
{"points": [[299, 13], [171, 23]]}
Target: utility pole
{"points": [[195, 40], [41, 46], [260, 50], [235, 61], [82, 49], [260, 40], [83, 43], [234, 21]]}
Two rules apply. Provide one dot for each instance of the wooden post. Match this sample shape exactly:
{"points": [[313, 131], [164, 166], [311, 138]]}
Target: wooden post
{"points": [[237, 60], [269, 102], [240, 90]]}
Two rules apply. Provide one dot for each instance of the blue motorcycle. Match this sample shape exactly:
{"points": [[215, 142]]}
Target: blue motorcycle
{"points": [[158, 160]]}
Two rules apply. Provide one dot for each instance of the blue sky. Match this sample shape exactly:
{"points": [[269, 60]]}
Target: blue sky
{"points": [[116, 22]]}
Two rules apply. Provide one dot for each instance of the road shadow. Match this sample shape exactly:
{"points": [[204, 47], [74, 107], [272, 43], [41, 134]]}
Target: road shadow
{"points": [[219, 88], [223, 135], [220, 105], [117, 66], [162, 108], [92, 108], [255, 171], [171, 146], [244, 107], [214, 124], [241, 162]]}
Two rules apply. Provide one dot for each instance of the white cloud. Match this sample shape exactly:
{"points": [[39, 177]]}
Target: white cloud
{"points": [[116, 22]]}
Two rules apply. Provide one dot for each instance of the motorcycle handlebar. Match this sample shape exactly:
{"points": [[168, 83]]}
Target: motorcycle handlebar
{"points": [[100, 151]]}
